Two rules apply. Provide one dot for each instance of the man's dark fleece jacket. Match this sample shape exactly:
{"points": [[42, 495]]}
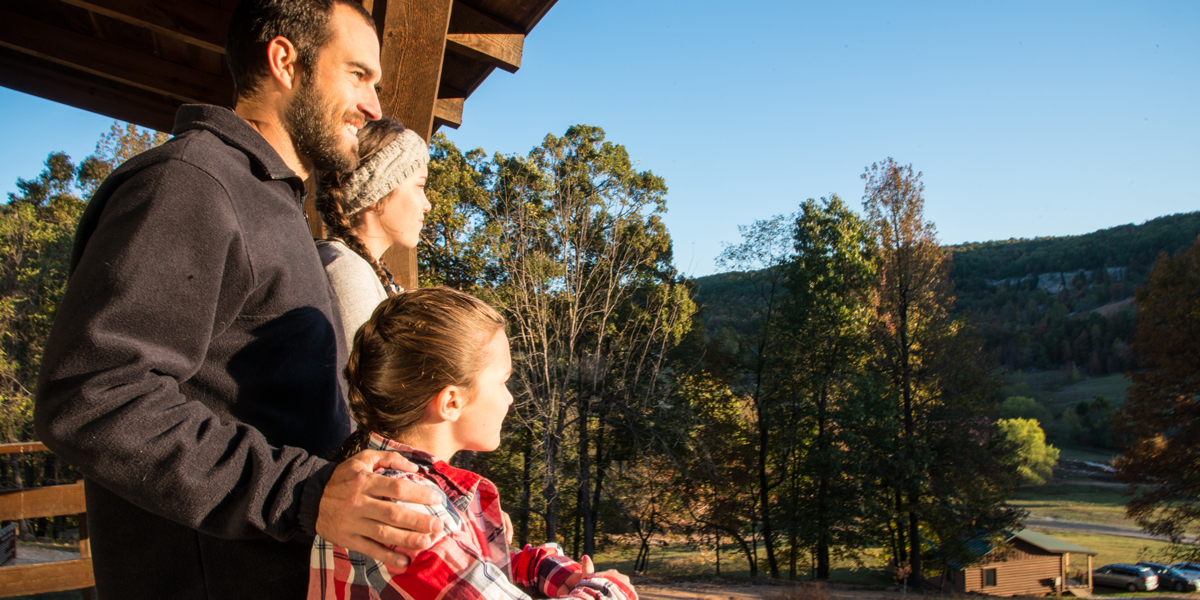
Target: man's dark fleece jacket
{"points": [[191, 374]]}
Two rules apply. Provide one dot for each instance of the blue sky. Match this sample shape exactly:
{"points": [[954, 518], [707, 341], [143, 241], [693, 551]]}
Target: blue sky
{"points": [[1026, 118]]}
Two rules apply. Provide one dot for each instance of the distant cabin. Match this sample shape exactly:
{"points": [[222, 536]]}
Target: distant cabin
{"points": [[1026, 564]]}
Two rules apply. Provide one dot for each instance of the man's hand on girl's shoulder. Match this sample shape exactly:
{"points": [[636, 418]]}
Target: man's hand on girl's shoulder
{"points": [[357, 511]]}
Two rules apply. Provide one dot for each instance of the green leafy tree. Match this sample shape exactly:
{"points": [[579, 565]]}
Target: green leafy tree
{"points": [[762, 256], [583, 270], [716, 458], [1035, 458], [36, 229], [453, 249], [947, 472], [826, 332], [1160, 419]]}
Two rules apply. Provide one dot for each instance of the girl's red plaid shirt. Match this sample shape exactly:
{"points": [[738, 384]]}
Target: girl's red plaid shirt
{"points": [[469, 559]]}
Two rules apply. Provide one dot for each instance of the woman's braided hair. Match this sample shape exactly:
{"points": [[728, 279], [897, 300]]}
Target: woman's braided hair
{"points": [[415, 345], [331, 195]]}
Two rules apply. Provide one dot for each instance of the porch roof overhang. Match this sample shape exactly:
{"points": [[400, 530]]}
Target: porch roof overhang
{"points": [[139, 60]]}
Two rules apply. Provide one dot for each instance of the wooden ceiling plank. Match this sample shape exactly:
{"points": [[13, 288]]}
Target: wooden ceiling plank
{"points": [[523, 14], [111, 61], [193, 22], [52, 82], [463, 73], [482, 37], [96, 25]]}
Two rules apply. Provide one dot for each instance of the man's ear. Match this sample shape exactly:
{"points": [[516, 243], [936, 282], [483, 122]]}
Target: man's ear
{"points": [[283, 61], [448, 404]]}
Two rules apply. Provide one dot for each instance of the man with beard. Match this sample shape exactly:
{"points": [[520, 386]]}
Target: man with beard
{"points": [[192, 371]]}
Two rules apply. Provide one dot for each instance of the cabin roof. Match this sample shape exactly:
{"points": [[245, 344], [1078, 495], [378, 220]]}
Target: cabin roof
{"points": [[1050, 544]]}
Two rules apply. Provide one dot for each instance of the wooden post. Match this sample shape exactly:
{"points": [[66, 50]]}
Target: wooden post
{"points": [[1063, 568], [412, 40], [1089, 574]]}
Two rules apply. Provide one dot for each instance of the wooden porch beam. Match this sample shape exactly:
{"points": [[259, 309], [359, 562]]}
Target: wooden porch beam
{"points": [[56, 83], [448, 112], [193, 22], [412, 36], [109, 61], [484, 38]]}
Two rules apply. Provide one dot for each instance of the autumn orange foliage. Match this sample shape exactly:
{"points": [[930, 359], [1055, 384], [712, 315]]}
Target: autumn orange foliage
{"points": [[1160, 421]]}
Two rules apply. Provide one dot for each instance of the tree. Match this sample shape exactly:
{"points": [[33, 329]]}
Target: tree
{"points": [[583, 271], [115, 147], [1035, 458], [947, 470], [827, 314], [36, 229], [453, 251], [1160, 419], [1023, 407], [716, 458], [762, 255]]}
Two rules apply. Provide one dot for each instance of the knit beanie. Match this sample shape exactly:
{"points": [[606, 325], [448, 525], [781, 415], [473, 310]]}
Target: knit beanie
{"points": [[377, 176]]}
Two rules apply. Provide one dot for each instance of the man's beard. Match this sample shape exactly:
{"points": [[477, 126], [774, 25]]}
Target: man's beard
{"points": [[315, 128]]}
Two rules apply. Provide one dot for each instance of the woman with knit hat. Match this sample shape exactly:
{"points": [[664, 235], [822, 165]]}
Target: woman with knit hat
{"points": [[368, 210]]}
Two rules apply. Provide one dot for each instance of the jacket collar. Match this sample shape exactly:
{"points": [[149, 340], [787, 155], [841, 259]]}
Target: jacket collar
{"points": [[464, 481], [236, 132]]}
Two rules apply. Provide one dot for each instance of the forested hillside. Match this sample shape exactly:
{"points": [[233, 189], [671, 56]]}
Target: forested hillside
{"points": [[1053, 302]]}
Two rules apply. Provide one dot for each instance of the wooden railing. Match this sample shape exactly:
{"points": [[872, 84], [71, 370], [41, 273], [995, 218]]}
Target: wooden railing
{"points": [[50, 501]]}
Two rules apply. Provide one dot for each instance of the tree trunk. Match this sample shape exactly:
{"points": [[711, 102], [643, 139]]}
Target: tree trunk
{"points": [[526, 491], [822, 490], [914, 534], [551, 487], [593, 516], [585, 476], [914, 540], [718, 553], [765, 492]]}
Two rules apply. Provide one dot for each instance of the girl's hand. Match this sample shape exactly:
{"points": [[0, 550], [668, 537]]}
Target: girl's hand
{"points": [[575, 578], [508, 532]]}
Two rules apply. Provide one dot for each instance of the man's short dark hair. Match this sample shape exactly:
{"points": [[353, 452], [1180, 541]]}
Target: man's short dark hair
{"points": [[305, 23]]}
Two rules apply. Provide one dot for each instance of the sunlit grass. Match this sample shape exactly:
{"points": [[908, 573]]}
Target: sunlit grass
{"points": [[1075, 501], [1113, 387], [678, 559]]}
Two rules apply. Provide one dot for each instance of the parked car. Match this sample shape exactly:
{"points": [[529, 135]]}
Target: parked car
{"points": [[1189, 568], [1172, 578], [1126, 576]]}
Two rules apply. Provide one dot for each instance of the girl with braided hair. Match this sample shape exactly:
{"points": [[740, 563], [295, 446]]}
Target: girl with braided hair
{"points": [[376, 206], [428, 377]]}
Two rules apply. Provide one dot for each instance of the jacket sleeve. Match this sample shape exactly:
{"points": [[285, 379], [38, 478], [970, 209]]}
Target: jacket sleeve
{"points": [[164, 270], [546, 570]]}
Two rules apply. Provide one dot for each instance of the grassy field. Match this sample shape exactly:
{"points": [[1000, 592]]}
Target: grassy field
{"points": [[681, 560], [1075, 501], [1048, 388], [1112, 387]]}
